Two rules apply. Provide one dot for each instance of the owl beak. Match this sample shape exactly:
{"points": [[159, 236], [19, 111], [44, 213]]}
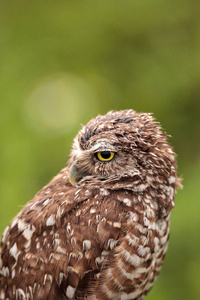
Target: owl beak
{"points": [[74, 174]]}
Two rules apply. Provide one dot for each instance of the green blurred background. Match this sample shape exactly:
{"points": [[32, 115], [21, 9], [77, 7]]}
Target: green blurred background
{"points": [[63, 62]]}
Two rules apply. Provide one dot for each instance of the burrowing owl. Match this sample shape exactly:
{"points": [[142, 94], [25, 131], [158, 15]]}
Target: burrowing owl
{"points": [[99, 230]]}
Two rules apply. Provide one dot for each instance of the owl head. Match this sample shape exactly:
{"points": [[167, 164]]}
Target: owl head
{"points": [[122, 149]]}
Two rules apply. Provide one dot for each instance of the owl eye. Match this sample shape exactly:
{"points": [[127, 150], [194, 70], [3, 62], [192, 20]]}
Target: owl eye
{"points": [[105, 155]]}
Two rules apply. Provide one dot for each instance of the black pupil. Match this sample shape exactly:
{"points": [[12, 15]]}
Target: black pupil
{"points": [[105, 154]]}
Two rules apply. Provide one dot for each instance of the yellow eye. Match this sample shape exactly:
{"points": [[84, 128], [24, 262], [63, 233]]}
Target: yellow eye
{"points": [[105, 155]]}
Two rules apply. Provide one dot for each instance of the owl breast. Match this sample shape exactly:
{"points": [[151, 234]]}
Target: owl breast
{"points": [[128, 228]]}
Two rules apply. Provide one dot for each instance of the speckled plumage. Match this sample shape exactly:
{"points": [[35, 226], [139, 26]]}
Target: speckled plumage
{"points": [[106, 236]]}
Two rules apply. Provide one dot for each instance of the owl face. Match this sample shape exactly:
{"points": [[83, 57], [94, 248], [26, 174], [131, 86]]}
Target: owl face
{"points": [[120, 145], [102, 160]]}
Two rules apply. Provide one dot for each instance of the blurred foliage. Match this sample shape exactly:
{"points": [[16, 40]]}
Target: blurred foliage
{"points": [[63, 62]]}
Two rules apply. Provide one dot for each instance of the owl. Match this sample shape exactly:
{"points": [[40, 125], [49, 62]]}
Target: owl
{"points": [[99, 230]]}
